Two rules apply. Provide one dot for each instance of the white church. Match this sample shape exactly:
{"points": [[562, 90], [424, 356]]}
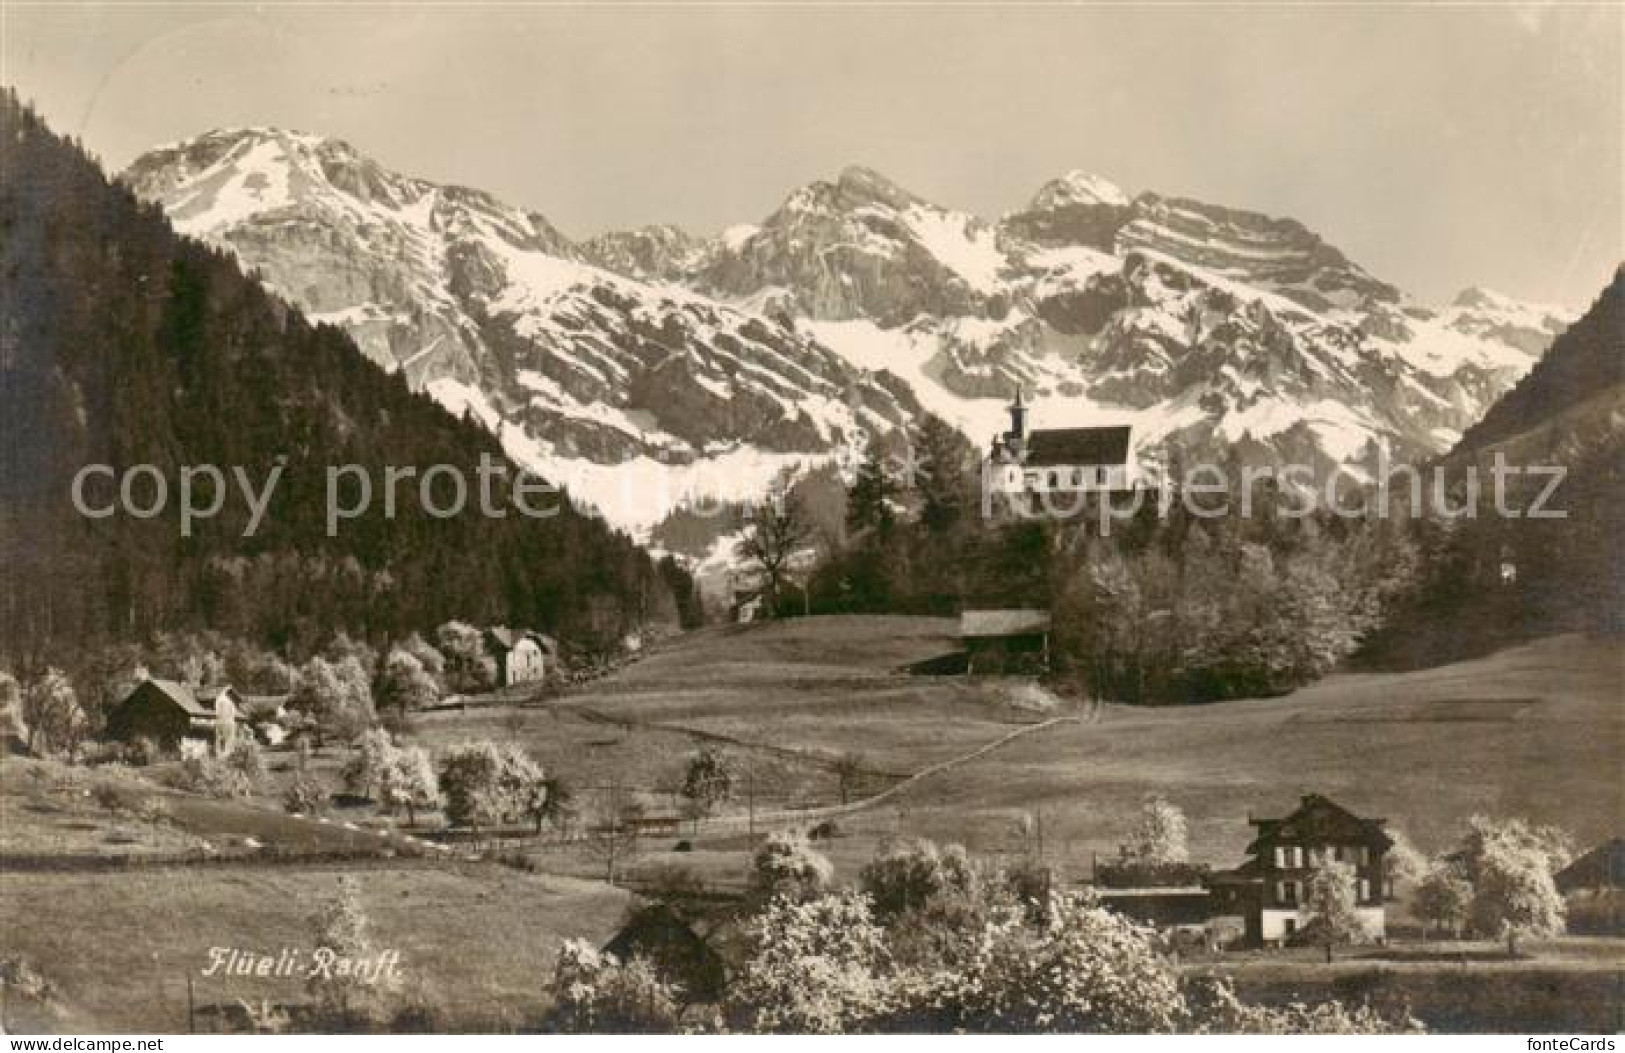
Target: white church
{"points": [[1025, 466]]}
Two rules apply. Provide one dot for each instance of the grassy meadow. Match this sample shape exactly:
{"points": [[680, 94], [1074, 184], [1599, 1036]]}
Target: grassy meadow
{"points": [[1534, 731]]}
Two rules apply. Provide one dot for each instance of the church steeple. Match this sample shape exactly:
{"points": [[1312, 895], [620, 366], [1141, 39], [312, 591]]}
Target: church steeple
{"points": [[1018, 417]]}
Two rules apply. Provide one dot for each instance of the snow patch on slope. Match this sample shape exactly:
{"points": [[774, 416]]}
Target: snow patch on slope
{"points": [[963, 243], [638, 493]]}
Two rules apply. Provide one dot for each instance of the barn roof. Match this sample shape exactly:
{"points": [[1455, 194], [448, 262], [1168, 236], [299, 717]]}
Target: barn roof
{"points": [[1078, 446], [1602, 867], [1012, 622], [198, 704], [660, 936], [504, 639]]}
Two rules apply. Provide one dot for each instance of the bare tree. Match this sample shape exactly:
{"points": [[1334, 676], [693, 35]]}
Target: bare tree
{"points": [[776, 530], [612, 834], [849, 773]]}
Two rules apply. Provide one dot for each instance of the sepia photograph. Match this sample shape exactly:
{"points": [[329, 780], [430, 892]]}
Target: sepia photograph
{"points": [[811, 518]]}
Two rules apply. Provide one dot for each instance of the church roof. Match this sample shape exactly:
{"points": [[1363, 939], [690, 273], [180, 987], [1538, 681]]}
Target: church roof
{"points": [[1078, 446]]}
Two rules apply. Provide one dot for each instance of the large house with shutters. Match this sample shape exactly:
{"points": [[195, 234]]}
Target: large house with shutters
{"points": [[1268, 891], [1056, 470]]}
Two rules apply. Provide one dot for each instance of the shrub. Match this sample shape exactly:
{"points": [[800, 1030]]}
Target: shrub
{"points": [[707, 781], [815, 967], [154, 810], [595, 992], [406, 684], [909, 876], [827, 830], [1085, 970], [371, 754], [112, 797], [245, 758], [1213, 1008], [485, 784], [305, 796], [1030, 882], [785, 865], [213, 777], [346, 1001]]}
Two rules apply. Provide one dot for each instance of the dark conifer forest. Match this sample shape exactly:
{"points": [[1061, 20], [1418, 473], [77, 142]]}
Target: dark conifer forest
{"points": [[122, 343]]}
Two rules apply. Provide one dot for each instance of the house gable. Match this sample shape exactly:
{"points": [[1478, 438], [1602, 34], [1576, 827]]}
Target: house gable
{"points": [[167, 711]]}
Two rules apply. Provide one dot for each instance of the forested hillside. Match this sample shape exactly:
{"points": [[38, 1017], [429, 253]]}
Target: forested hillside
{"points": [[1495, 578], [1587, 360], [123, 343], [1187, 606]]}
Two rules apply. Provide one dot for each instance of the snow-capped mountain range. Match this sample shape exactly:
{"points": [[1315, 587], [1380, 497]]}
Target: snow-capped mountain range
{"points": [[652, 367]]}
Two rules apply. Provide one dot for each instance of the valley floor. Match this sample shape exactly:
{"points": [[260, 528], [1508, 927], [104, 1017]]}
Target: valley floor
{"points": [[1001, 766]]}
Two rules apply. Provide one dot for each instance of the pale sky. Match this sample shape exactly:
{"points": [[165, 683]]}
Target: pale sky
{"points": [[1439, 146]]}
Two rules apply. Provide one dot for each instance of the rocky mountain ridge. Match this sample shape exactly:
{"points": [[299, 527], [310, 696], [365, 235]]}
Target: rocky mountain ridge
{"points": [[678, 367]]}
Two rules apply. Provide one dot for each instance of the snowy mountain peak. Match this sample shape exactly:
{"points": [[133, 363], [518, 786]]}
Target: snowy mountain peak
{"points": [[1488, 302], [854, 188], [1078, 188], [1279, 255], [867, 185], [648, 366], [635, 396]]}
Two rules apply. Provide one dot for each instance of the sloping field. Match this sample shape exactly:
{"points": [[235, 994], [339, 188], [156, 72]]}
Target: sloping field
{"points": [[1536, 731], [119, 946], [51, 810], [820, 686]]}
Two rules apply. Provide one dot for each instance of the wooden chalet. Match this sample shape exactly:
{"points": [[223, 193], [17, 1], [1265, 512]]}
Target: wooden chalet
{"points": [[168, 712], [521, 657], [1005, 641]]}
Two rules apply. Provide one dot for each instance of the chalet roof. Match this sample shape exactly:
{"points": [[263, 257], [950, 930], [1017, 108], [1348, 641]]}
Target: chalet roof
{"points": [[1602, 867], [207, 697], [1319, 819], [180, 694], [1078, 446], [659, 935], [1012, 622], [1247, 874]]}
